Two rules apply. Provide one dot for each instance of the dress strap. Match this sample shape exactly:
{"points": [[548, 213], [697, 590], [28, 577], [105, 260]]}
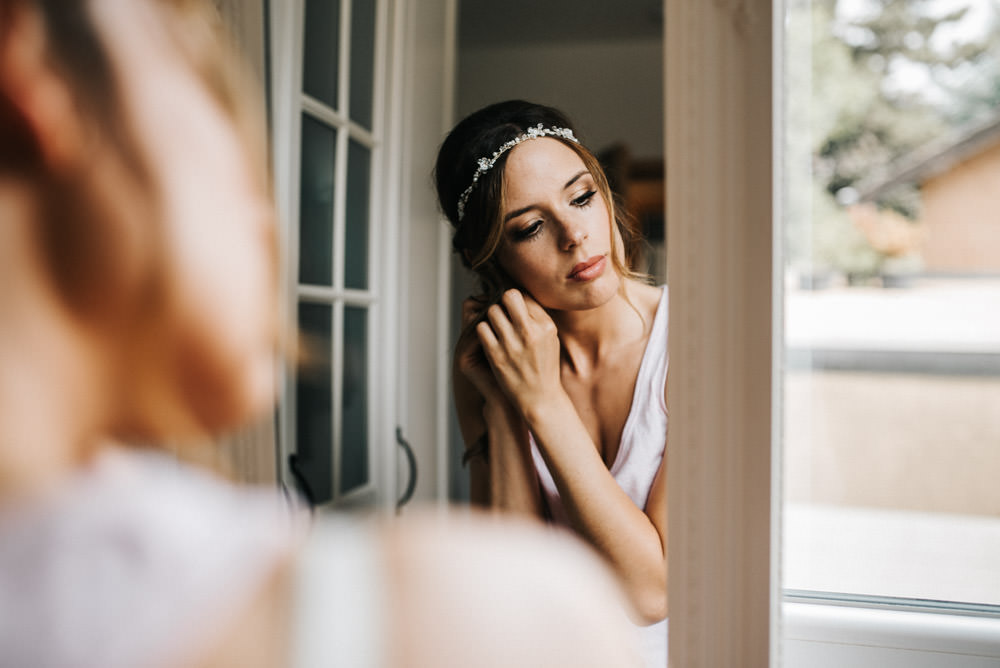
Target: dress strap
{"points": [[339, 597]]}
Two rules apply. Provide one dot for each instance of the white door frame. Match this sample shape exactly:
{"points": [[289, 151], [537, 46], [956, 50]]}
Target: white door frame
{"points": [[424, 34]]}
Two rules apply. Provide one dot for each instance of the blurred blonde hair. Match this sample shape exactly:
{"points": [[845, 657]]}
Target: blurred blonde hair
{"points": [[86, 254], [83, 253]]}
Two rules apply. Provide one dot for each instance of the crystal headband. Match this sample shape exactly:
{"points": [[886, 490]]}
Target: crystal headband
{"points": [[486, 164]]}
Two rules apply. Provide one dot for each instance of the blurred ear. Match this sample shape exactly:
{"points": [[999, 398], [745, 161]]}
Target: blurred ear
{"points": [[38, 98]]}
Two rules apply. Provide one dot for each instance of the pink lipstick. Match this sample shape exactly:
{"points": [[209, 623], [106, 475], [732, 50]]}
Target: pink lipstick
{"points": [[589, 269]]}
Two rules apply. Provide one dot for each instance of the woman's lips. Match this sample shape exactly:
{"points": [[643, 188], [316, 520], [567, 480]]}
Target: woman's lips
{"points": [[589, 269]]}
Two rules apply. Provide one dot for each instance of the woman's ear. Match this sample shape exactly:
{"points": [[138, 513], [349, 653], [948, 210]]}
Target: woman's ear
{"points": [[40, 100]]}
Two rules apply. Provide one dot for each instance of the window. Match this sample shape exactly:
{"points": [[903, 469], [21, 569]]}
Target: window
{"points": [[725, 212], [327, 73], [891, 277], [891, 382]]}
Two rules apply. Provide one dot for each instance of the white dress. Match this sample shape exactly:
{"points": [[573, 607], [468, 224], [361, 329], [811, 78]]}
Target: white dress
{"points": [[639, 454]]}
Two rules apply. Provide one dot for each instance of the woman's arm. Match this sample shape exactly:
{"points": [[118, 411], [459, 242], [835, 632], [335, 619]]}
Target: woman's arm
{"points": [[521, 343], [634, 540], [501, 472]]}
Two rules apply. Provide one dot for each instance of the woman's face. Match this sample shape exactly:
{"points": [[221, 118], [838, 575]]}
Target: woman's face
{"points": [[556, 228], [217, 220]]}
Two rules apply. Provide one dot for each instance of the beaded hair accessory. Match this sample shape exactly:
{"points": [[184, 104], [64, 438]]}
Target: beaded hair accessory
{"points": [[486, 164]]}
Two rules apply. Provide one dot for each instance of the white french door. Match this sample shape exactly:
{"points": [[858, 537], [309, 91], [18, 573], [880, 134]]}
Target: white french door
{"points": [[328, 69], [360, 94]]}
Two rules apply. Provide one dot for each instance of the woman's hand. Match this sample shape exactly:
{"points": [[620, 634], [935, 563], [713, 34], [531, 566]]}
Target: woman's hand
{"points": [[475, 387], [504, 478], [472, 376], [521, 343]]}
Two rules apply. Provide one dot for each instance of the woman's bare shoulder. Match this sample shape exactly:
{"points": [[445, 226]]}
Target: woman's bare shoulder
{"points": [[645, 297]]}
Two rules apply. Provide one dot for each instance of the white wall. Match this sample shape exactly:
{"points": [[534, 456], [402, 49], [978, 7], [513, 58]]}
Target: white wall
{"points": [[424, 401], [613, 91]]}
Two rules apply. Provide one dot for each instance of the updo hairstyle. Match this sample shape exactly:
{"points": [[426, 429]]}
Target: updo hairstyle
{"points": [[479, 232]]}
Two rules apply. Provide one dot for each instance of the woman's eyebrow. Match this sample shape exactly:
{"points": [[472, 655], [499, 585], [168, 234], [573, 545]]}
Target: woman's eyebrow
{"points": [[518, 212], [575, 177]]}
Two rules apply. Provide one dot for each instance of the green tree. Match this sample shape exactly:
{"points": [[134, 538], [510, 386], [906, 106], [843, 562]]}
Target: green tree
{"points": [[851, 119]]}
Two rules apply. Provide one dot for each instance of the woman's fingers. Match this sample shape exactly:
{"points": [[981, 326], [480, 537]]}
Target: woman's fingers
{"points": [[514, 304], [488, 340], [535, 310], [528, 316], [518, 321], [522, 309], [503, 328], [519, 340]]}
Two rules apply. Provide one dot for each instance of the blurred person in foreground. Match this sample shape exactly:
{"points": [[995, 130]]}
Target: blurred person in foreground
{"points": [[137, 305]]}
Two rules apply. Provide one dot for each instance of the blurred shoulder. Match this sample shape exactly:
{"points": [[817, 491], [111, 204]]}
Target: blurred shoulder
{"points": [[478, 589]]}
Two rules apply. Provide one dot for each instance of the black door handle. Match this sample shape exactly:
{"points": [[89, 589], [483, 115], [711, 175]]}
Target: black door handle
{"points": [[412, 461]]}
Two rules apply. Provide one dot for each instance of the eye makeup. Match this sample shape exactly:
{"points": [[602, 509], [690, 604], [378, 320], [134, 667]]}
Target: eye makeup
{"points": [[580, 201]]}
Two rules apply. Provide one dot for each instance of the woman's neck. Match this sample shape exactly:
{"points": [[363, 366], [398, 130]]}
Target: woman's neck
{"points": [[50, 390], [588, 337]]}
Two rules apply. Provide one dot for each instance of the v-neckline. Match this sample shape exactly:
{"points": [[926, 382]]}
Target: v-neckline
{"points": [[638, 378]]}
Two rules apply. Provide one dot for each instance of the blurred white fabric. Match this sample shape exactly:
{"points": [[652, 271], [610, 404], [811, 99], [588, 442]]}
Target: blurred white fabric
{"points": [[138, 561]]}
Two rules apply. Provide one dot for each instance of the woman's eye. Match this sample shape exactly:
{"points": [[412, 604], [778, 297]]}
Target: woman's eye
{"points": [[584, 199], [528, 231]]}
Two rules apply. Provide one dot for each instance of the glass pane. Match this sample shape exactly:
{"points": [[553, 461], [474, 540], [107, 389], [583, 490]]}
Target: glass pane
{"points": [[321, 50], [316, 202], [892, 277], [314, 403], [356, 242], [354, 431], [362, 61]]}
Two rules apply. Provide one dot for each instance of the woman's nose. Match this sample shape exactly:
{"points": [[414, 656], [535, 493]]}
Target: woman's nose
{"points": [[574, 234]]}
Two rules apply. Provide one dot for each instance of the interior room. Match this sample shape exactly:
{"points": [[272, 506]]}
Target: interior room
{"points": [[827, 174], [707, 82]]}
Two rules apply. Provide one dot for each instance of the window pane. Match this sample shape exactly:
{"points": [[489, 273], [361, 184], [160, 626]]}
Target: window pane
{"points": [[354, 433], [314, 403], [322, 50], [316, 202], [892, 277], [356, 242], [362, 61]]}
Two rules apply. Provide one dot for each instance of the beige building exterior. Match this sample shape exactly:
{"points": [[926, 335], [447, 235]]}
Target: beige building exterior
{"points": [[959, 181], [961, 210]]}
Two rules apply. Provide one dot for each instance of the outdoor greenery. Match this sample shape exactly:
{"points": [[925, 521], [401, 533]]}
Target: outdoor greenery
{"points": [[867, 82]]}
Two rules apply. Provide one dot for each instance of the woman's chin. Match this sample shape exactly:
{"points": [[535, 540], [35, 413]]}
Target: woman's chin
{"points": [[600, 291]]}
